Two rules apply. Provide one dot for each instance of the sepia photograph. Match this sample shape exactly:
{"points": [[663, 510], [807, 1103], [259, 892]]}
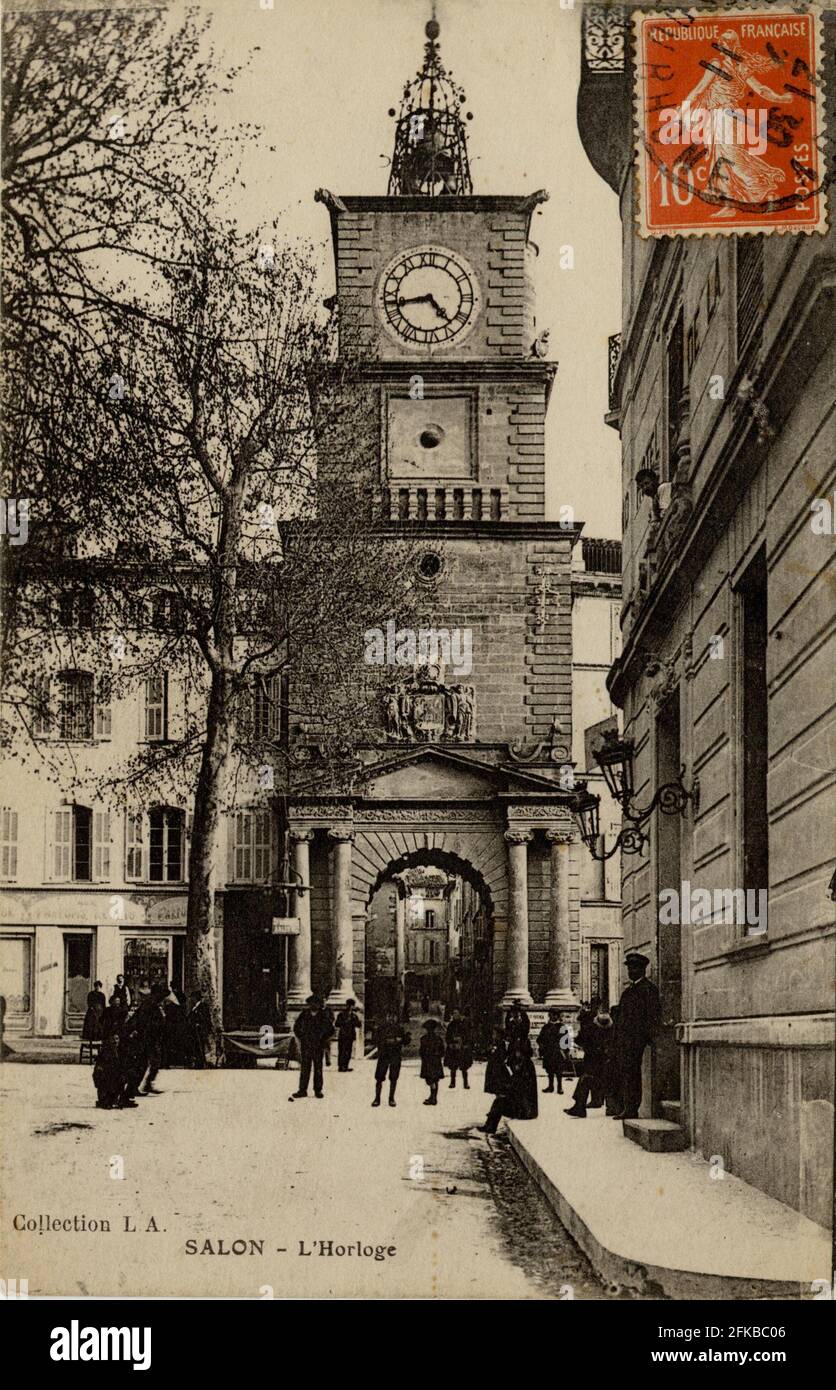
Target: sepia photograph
{"points": [[417, 714]]}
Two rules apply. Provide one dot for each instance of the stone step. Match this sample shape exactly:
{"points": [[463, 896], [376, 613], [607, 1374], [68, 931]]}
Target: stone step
{"points": [[657, 1136], [671, 1110]]}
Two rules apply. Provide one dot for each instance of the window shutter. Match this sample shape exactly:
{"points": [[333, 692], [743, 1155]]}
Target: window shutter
{"points": [[101, 846], [275, 689], [262, 845], [62, 844], [8, 843], [134, 846], [230, 849], [174, 706], [243, 847], [103, 715], [42, 707], [188, 821]]}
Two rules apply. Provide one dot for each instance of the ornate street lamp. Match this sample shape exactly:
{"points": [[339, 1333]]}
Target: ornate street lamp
{"points": [[615, 759]]}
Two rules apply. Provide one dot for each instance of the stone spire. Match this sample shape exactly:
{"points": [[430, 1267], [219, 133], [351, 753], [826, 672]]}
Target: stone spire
{"points": [[430, 155]]}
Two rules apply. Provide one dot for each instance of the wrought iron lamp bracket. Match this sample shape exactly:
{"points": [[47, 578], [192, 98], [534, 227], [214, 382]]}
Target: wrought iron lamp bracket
{"points": [[671, 799]]}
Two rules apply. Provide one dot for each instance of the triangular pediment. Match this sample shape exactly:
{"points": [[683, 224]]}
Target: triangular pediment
{"points": [[440, 774]]}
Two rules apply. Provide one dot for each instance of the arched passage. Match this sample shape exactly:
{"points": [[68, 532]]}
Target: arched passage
{"points": [[429, 942]]}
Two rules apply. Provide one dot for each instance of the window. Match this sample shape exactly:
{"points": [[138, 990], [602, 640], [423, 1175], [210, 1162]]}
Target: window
{"points": [[429, 918], [166, 611], [103, 717], [753, 713], [266, 707], [252, 841], [260, 709], [166, 844], [8, 843], [80, 845], [749, 296], [156, 708], [76, 608], [75, 705], [433, 951]]}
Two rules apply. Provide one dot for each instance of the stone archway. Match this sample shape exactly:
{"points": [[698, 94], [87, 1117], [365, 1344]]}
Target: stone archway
{"points": [[464, 974]]}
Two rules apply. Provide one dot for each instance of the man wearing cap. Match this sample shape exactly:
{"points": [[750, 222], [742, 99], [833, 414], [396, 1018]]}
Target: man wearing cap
{"points": [[639, 1016], [348, 1026], [313, 1028]]}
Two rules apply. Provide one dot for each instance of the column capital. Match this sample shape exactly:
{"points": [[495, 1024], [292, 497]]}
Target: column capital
{"points": [[518, 837], [558, 835], [341, 835], [298, 836]]}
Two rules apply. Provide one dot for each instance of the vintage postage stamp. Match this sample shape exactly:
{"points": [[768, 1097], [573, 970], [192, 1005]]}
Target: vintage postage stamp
{"points": [[730, 121]]}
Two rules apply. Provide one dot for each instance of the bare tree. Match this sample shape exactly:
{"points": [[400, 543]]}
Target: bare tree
{"points": [[210, 454]]}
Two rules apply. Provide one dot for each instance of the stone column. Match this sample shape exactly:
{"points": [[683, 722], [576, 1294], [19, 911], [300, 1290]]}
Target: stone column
{"points": [[343, 923], [400, 944], [299, 974], [516, 978], [559, 993]]}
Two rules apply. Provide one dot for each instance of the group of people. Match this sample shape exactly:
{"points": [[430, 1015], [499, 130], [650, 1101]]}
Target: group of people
{"points": [[613, 1043], [138, 1034], [609, 1072]]}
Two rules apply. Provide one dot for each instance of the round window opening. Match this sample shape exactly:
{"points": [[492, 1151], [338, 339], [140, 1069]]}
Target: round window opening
{"points": [[431, 437], [429, 565]]}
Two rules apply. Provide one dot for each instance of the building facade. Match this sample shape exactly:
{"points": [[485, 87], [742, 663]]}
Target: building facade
{"points": [[722, 392], [596, 642]]}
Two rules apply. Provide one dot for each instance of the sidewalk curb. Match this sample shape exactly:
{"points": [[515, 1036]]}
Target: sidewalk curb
{"points": [[650, 1280]]}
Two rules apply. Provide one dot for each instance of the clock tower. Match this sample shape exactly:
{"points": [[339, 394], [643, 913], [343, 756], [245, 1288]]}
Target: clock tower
{"points": [[467, 770]]}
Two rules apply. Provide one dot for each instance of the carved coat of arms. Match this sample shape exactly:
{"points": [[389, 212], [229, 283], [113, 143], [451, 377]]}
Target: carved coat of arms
{"points": [[421, 708]]}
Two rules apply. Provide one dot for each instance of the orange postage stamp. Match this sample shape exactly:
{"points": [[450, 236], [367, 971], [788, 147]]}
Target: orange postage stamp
{"points": [[730, 120]]}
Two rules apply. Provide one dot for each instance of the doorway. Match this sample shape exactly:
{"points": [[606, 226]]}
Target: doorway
{"points": [[16, 982], [78, 980]]}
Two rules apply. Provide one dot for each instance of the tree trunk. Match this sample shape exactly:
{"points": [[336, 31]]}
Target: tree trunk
{"points": [[201, 961]]}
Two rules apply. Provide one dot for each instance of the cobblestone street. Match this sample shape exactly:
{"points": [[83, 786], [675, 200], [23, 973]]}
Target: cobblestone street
{"points": [[221, 1157]]}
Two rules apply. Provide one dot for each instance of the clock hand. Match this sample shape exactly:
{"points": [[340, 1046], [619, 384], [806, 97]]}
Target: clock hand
{"points": [[425, 299]]}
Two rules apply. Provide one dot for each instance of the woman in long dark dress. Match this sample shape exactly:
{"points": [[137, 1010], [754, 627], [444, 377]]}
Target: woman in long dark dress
{"points": [[519, 1101], [432, 1059], [497, 1074]]}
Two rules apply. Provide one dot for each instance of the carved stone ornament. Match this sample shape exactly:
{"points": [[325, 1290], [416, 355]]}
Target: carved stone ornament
{"points": [[663, 676], [531, 754], [424, 815], [539, 811], [422, 708]]}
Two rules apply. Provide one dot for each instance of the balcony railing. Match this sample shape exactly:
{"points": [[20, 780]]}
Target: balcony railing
{"points": [[601, 557]]}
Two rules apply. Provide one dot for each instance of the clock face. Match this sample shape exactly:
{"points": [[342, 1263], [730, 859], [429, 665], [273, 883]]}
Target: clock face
{"points": [[428, 297]]}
